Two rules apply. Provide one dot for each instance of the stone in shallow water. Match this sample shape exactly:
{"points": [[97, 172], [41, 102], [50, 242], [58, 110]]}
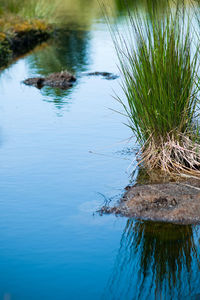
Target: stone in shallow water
{"points": [[106, 75]]}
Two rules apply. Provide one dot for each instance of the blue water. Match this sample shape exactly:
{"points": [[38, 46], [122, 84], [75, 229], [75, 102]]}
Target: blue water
{"points": [[62, 153]]}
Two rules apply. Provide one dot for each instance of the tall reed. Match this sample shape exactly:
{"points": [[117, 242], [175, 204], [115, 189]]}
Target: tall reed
{"points": [[159, 63]]}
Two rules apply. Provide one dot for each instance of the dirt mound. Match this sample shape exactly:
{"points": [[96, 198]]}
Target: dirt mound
{"points": [[62, 80], [168, 202]]}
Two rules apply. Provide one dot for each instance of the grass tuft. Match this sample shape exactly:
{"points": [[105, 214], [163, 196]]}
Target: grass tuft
{"points": [[159, 64]]}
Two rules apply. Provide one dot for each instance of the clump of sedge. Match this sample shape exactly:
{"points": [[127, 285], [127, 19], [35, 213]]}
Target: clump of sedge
{"points": [[159, 64]]}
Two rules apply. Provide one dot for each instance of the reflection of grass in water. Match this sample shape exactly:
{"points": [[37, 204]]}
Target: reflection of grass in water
{"points": [[68, 51], [155, 261], [56, 95], [145, 176]]}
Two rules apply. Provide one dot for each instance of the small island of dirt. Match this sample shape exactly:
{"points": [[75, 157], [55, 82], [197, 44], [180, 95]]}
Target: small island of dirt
{"points": [[63, 80], [175, 202]]}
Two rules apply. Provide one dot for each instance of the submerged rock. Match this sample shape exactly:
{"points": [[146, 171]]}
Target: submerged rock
{"points": [[175, 202], [106, 75], [62, 80]]}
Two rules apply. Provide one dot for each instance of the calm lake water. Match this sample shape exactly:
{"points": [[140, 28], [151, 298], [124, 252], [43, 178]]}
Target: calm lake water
{"points": [[62, 154]]}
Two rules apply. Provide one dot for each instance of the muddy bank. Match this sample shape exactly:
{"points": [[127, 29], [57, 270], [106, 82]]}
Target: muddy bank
{"points": [[21, 38], [175, 202], [25, 41]]}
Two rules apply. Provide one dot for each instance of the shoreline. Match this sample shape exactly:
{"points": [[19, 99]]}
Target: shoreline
{"points": [[22, 38]]}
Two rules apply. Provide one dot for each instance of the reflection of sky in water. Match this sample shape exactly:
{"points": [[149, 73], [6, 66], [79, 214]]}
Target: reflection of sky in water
{"points": [[62, 154]]}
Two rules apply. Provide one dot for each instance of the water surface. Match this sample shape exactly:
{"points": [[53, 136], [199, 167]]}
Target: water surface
{"points": [[62, 153]]}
